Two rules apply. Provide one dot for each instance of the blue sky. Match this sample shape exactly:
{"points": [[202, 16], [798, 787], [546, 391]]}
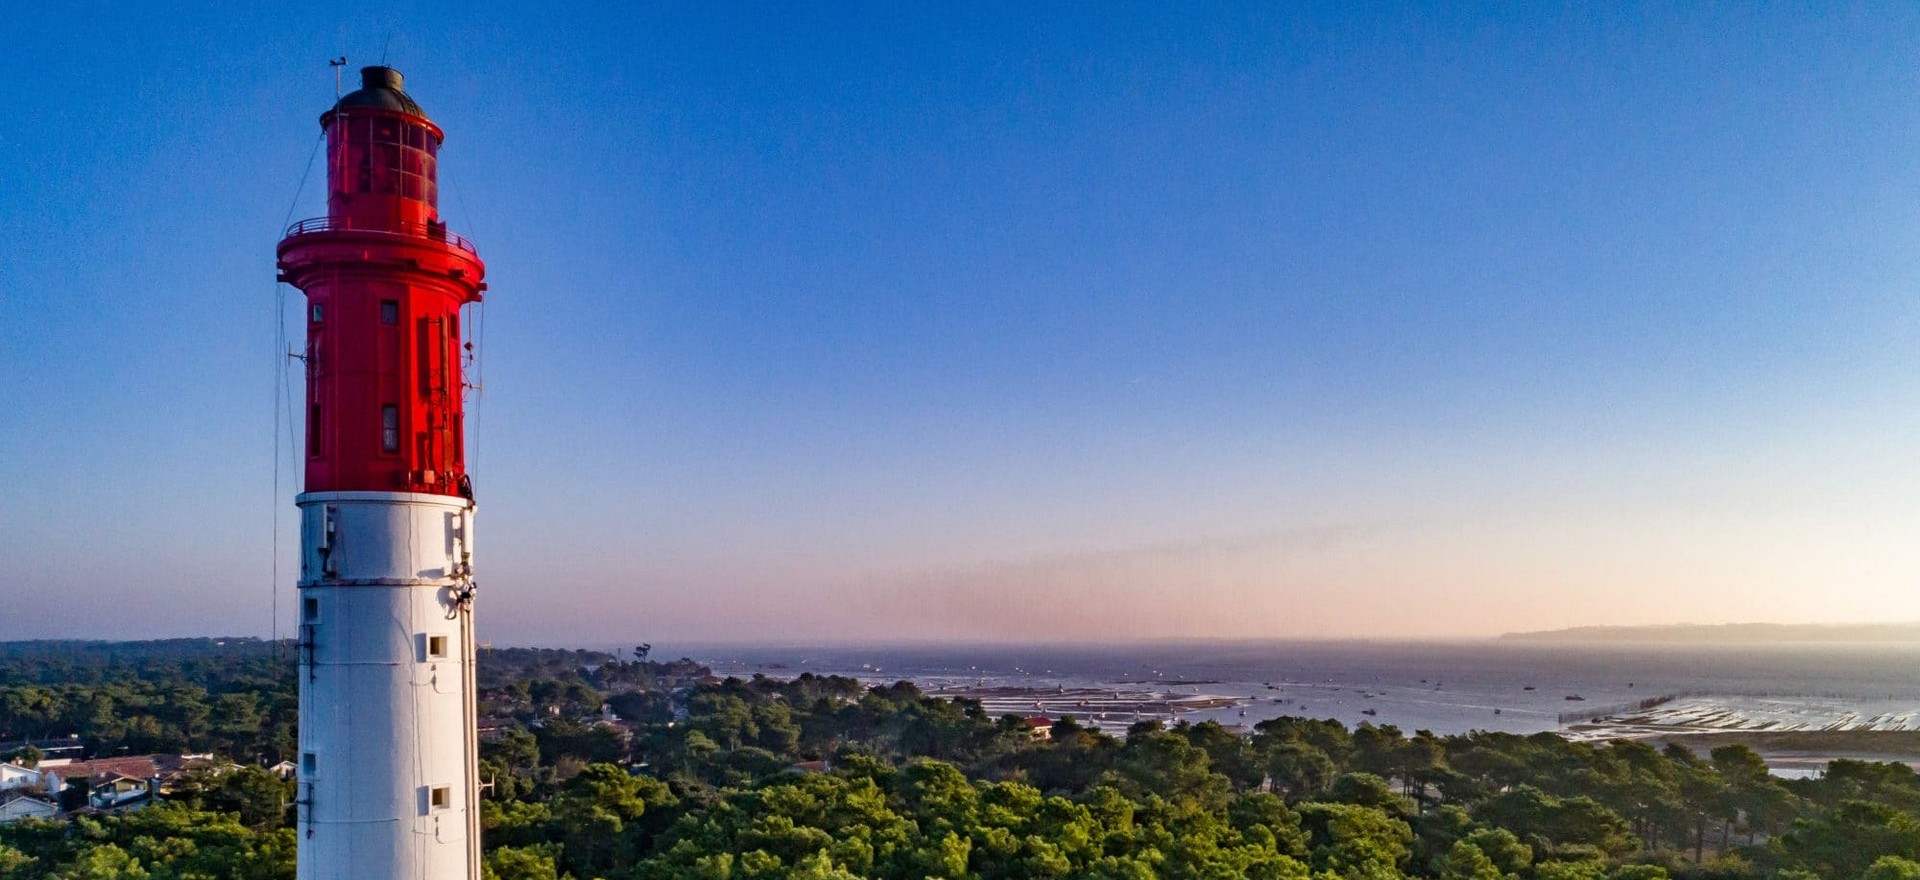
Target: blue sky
{"points": [[1068, 321]]}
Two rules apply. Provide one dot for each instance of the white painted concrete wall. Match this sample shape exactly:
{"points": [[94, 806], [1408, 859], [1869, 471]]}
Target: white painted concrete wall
{"points": [[384, 722]]}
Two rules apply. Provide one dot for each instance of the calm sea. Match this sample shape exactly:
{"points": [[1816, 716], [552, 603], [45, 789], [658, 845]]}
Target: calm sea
{"points": [[1446, 687]]}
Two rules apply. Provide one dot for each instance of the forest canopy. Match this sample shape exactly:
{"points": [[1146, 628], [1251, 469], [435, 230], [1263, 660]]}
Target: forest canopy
{"points": [[599, 767]]}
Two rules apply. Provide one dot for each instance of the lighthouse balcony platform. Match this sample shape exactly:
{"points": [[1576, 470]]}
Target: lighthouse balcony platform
{"points": [[430, 231]]}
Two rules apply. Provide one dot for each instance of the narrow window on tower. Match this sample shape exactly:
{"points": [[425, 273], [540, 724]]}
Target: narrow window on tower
{"points": [[389, 311], [314, 433], [436, 647], [317, 313], [308, 763], [439, 797], [310, 611], [390, 428]]}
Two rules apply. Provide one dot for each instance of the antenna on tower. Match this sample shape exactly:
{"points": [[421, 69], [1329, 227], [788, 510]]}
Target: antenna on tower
{"points": [[338, 64]]}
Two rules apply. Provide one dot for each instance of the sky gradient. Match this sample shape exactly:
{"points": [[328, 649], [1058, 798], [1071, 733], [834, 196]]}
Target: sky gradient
{"points": [[885, 322]]}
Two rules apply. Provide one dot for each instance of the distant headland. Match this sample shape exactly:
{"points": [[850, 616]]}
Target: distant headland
{"points": [[1728, 634]]}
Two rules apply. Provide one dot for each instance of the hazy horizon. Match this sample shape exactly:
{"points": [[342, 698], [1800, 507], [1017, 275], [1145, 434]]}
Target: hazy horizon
{"points": [[1007, 322], [1837, 637]]}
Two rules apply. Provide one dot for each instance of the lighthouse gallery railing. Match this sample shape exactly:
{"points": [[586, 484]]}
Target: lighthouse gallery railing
{"points": [[432, 231]]}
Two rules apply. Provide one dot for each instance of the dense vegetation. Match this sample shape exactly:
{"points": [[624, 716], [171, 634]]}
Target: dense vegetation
{"points": [[705, 787]]}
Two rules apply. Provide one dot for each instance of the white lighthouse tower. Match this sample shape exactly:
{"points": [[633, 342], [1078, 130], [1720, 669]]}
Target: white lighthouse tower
{"points": [[387, 779]]}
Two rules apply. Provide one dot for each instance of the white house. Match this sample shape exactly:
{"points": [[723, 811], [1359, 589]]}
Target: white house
{"points": [[14, 777], [15, 806], [118, 791]]}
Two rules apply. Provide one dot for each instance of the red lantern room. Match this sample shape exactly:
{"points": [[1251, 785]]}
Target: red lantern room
{"points": [[385, 282]]}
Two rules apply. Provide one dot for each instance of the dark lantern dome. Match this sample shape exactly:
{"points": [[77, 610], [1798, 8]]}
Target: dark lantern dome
{"points": [[380, 90]]}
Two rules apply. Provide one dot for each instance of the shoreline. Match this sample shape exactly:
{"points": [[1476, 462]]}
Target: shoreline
{"points": [[1108, 709], [1758, 701]]}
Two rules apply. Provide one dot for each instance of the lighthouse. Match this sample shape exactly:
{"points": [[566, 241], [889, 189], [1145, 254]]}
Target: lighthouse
{"points": [[387, 779]]}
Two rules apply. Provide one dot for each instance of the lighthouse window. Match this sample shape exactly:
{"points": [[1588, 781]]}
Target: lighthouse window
{"points": [[310, 611], [308, 763], [316, 313], [389, 311], [439, 797], [390, 428], [399, 160], [436, 647]]}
